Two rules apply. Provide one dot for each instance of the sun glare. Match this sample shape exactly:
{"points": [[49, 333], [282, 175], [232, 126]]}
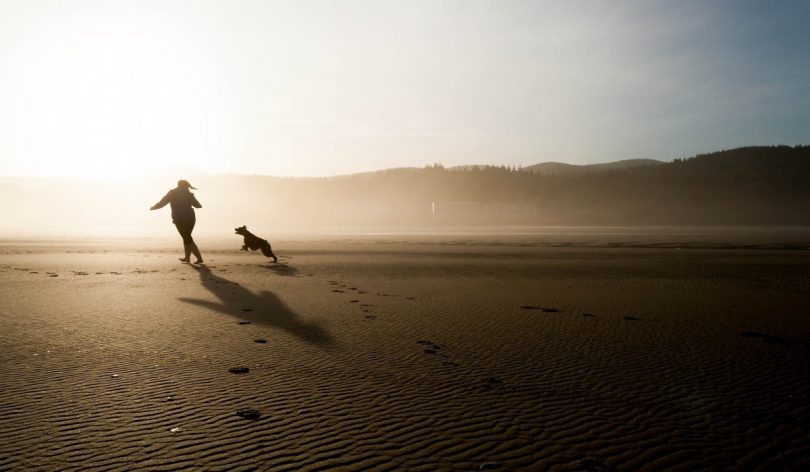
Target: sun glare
{"points": [[127, 106]]}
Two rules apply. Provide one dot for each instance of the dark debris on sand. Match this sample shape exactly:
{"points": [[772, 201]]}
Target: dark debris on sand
{"points": [[239, 369]]}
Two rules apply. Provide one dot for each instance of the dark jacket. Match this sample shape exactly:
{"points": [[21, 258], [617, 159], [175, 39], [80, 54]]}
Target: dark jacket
{"points": [[182, 202]]}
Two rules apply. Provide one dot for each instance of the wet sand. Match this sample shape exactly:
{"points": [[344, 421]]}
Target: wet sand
{"points": [[421, 353]]}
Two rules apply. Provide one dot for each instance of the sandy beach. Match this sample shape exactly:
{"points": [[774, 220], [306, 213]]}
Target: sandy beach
{"points": [[407, 353]]}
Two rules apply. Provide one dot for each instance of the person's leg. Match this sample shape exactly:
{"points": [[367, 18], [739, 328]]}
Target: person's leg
{"points": [[193, 246], [196, 253], [185, 232]]}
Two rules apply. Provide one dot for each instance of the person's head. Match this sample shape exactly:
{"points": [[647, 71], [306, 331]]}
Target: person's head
{"points": [[184, 184]]}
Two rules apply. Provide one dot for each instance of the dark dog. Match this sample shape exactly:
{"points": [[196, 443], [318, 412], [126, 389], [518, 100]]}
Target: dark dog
{"points": [[254, 242]]}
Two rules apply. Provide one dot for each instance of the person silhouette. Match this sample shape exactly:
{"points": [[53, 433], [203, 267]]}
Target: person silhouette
{"points": [[183, 202]]}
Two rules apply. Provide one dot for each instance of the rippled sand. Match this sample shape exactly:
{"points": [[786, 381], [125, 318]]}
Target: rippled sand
{"points": [[407, 355]]}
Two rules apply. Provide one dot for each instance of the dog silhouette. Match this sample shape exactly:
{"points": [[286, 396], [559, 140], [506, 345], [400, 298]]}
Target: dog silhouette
{"points": [[254, 242]]}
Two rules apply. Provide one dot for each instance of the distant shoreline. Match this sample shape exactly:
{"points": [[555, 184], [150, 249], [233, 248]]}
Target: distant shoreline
{"points": [[650, 237]]}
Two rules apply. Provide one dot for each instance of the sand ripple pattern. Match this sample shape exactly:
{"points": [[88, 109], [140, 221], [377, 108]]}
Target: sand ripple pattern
{"points": [[439, 369]]}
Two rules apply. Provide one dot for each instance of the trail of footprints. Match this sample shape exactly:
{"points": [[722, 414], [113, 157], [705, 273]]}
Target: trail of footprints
{"points": [[429, 348], [365, 308], [83, 273], [766, 338]]}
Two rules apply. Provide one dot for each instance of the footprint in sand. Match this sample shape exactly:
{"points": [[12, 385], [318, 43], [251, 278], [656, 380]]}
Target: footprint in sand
{"points": [[337, 291], [490, 466], [260, 341], [243, 322], [543, 309], [632, 318], [432, 348], [239, 369], [766, 338], [591, 464], [249, 414], [491, 383]]}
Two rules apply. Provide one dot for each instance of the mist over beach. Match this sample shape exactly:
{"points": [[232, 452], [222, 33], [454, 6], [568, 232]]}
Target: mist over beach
{"points": [[422, 235]]}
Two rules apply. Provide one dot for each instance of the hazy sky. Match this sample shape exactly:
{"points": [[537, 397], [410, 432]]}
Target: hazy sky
{"points": [[113, 88]]}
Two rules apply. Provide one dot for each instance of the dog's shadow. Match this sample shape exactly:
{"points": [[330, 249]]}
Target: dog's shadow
{"points": [[262, 308], [282, 269]]}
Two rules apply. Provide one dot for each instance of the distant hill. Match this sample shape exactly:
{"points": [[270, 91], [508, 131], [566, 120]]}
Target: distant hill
{"points": [[559, 168]]}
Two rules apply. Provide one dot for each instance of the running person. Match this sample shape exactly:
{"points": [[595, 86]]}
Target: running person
{"points": [[183, 203]]}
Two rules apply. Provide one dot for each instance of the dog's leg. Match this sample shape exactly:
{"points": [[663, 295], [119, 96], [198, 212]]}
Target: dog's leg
{"points": [[267, 250]]}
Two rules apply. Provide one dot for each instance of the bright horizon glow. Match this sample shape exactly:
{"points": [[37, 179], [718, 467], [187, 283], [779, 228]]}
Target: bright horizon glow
{"points": [[113, 90]]}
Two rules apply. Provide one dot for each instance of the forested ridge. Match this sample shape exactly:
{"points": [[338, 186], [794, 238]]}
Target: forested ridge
{"points": [[752, 185]]}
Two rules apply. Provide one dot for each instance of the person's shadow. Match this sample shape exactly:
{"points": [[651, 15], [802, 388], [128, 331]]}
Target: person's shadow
{"points": [[263, 308]]}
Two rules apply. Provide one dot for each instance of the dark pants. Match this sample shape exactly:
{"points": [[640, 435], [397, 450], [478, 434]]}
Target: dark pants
{"points": [[185, 231]]}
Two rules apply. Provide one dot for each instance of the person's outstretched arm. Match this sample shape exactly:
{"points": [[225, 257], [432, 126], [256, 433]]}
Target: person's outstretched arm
{"points": [[162, 203], [194, 202]]}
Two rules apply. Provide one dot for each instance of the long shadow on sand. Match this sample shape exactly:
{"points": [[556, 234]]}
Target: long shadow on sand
{"points": [[263, 308]]}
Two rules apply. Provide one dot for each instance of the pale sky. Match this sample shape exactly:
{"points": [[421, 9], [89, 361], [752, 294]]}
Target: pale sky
{"points": [[110, 88]]}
